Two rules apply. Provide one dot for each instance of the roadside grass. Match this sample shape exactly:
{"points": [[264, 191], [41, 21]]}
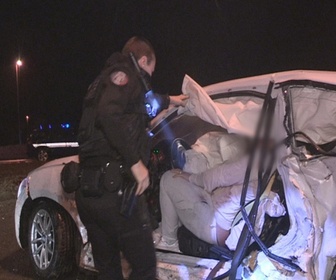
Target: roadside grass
{"points": [[11, 174]]}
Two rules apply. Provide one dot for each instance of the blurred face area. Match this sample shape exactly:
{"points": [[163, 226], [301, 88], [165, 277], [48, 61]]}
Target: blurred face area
{"points": [[148, 67]]}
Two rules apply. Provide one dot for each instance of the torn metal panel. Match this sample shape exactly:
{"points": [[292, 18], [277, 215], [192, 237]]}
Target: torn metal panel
{"points": [[310, 194]]}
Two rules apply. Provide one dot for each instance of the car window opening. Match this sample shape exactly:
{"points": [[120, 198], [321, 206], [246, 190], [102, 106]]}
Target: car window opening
{"points": [[311, 128]]}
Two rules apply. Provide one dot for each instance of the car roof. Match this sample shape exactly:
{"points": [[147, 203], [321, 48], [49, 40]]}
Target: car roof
{"points": [[260, 83], [256, 84]]}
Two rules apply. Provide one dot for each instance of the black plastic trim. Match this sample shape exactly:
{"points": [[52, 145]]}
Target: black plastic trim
{"points": [[306, 83], [238, 94]]}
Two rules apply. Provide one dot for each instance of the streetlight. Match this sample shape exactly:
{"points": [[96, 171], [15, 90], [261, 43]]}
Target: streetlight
{"points": [[17, 71], [27, 126]]}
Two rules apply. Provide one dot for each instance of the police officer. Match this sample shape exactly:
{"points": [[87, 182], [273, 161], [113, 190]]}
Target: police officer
{"points": [[112, 134]]}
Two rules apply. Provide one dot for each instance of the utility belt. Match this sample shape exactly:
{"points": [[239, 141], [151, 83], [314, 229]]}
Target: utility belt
{"points": [[112, 178], [93, 179]]}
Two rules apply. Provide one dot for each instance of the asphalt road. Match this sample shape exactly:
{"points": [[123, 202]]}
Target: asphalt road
{"points": [[15, 161]]}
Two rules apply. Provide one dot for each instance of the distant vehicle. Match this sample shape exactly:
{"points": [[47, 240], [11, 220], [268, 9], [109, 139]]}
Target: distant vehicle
{"points": [[50, 142], [298, 108]]}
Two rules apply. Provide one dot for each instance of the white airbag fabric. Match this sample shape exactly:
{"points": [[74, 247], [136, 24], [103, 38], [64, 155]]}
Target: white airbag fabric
{"points": [[315, 113], [238, 117], [212, 149]]}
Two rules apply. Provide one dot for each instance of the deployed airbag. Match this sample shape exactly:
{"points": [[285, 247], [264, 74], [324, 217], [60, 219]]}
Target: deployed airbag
{"points": [[314, 113], [212, 149], [240, 116]]}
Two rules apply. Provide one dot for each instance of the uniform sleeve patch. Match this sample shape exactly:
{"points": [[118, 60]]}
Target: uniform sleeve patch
{"points": [[119, 78]]}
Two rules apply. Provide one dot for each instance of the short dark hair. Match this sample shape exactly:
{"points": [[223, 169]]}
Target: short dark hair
{"points": [[140, 47]]}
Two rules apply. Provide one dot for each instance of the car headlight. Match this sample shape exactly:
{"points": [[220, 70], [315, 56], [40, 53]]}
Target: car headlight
{"points": [[23, 187]]}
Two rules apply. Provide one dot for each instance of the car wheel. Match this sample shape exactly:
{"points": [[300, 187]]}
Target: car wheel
{"points": [[43, 154], [51, 241]]}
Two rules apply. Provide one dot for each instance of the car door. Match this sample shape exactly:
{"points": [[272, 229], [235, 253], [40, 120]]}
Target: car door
{"points": [[311, 124]]}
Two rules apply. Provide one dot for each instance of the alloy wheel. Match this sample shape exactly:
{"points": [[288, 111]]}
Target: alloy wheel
{"points": [[42, 239]]}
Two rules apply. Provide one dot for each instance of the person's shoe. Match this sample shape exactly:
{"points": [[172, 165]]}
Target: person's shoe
{"points": [[178, 148], [163, 245]]}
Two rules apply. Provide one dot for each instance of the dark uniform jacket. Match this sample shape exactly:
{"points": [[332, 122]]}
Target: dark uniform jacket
{"points": [[114, 119]]}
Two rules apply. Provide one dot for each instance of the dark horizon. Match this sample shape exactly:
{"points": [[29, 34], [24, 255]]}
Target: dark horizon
{"points": [[64, 45]]}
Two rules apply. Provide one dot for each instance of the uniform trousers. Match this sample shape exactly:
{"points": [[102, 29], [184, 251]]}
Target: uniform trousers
{"points": [[109, 233]]}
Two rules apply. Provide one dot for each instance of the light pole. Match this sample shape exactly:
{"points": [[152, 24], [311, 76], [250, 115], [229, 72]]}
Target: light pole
{"points": [[27, 126], [17, 71]]}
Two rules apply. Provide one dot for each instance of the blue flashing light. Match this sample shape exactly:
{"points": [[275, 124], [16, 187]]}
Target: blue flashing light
{"points": [[41, 127], [65, 125], [49, 126]]}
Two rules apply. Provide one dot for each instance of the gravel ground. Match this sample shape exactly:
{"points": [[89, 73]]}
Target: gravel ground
{"points": [[11, 174], [14, 262]]}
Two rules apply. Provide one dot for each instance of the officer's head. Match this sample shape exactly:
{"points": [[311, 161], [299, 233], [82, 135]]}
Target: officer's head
{"points": [[143, 52]]}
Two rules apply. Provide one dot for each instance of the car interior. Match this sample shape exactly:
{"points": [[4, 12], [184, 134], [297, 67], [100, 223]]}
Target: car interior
{"points": [[161, 162]]}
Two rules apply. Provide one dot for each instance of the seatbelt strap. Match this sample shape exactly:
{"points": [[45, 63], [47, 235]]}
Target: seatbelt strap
{"points": [[248, 206], [213, 272]]}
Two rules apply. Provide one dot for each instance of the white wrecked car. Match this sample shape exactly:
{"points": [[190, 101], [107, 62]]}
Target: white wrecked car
{"points": [[297, 109]]}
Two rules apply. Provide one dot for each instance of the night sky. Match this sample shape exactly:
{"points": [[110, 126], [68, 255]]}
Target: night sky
{"points": [[64, 44]]}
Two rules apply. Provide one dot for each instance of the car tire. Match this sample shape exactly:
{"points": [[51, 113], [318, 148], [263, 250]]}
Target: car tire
{"points": [[43, 154], [51, 241]]}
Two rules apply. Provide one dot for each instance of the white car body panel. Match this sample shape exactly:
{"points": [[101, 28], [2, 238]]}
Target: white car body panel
{"points": [[44, 182], [21, 199], [57, 145], [310, 187], [51, 188]]}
